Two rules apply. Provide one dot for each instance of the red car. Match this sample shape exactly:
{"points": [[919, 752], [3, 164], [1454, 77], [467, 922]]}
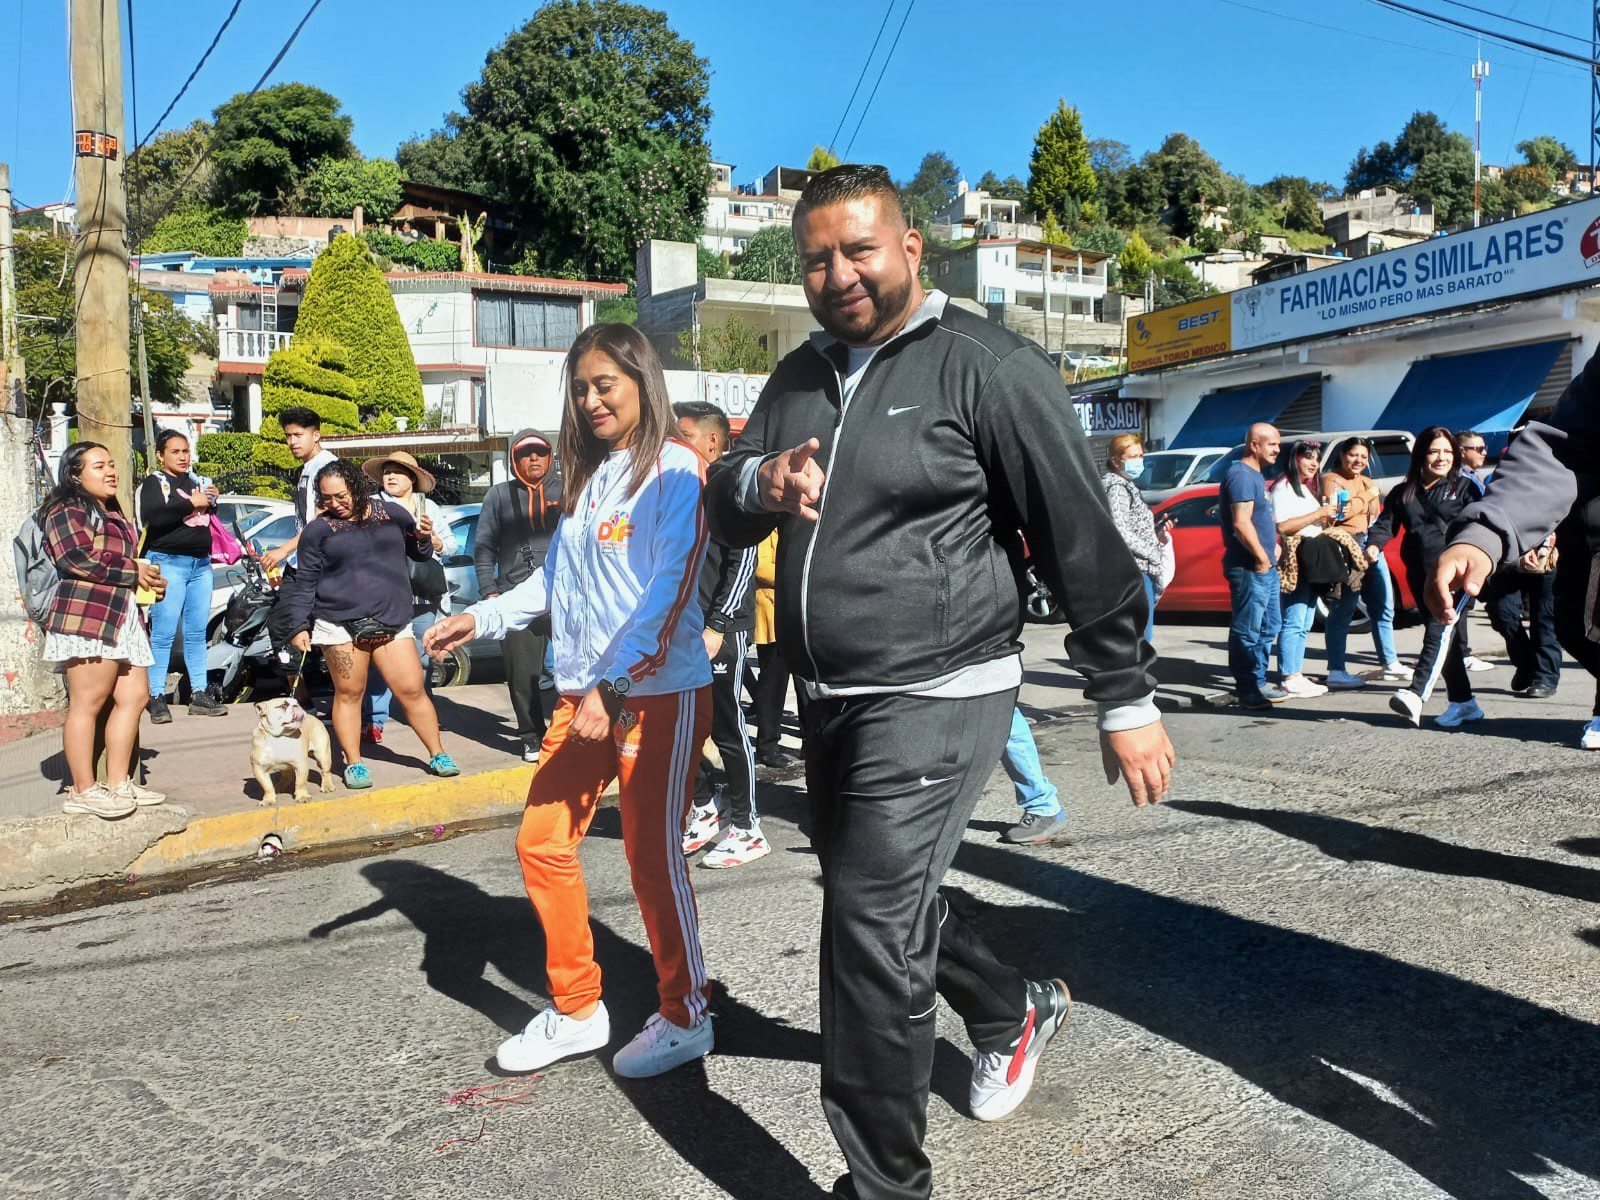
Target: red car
{"points": [[1198, 585]]}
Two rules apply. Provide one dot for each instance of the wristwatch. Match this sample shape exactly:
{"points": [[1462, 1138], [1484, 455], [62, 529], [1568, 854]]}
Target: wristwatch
{"points": [[613, 692]]}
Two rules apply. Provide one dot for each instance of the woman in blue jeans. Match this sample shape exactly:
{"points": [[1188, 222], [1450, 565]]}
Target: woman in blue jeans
{"points": [[1357, 503], [1298, 511], [175, 508]]}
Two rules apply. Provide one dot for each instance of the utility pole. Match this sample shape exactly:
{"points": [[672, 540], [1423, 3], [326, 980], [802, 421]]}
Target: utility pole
{"points": [[1594, 98], [104, 397], [11, 380], [1480, 72]]}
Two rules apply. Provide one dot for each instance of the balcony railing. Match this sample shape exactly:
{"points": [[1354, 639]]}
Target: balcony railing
{"points": [[250, 345]]}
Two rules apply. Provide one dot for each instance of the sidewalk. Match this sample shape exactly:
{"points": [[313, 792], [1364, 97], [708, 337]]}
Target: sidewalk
{"points": [[214, 811]]}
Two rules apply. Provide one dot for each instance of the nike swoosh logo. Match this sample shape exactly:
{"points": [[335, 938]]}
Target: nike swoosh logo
{"points": [[895, 412], [926, 782]]}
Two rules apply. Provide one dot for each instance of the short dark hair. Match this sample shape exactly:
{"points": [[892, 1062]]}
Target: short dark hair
{"points": [[1463, 434], [306, 418], [704, 413], [166, 436], [848, 181]]}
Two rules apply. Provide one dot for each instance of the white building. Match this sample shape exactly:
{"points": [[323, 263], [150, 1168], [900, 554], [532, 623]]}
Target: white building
{"points": [[974, 213], [734, 215]]}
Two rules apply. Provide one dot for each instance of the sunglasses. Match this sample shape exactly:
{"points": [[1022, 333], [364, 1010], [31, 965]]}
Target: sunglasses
{"points": [[530, 451], [1477, 449]]}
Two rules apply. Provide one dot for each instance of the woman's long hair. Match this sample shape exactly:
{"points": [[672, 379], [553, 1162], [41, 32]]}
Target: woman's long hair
{"points": [[1289, 471], [361, 488], [69, 483], [1419, 462], [581, 452], [1336, 461]]}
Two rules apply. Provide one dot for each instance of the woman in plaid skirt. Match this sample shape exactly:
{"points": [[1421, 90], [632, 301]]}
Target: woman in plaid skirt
{"points": [[94, 633]]}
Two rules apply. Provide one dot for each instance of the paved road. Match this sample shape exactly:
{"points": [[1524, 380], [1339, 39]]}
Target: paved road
{"points": [[1349, 960]]}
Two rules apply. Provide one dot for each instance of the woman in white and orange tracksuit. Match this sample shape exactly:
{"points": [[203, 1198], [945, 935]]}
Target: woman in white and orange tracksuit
{"points": [[619, 583]]}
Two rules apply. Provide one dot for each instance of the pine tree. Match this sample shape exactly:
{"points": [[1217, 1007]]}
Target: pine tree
{"points": [[1060, 175], [1136, 261], [347, 301]]}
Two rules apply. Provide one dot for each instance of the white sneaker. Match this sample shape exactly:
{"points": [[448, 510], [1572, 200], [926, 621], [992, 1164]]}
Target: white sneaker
{"points": [[142, 796], [1457, 714], [1302, 688], [737, 847], [1343, 680], [1409, 705], [552, 1036], [705, 823], [1473, 663], [661, 1045], [1396, 671], [1590, 738], [97, 802], [1001, 1079]]}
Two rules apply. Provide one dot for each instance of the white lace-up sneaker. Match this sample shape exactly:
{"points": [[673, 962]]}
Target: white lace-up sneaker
{"points": [[661, 1045], [1302, 688], [1473, 663], [97, 802], [1409, 705], [737, 847], [552, 1036], [1396, 671], [1589, 739], [1343, 681], [1001, 1079], [1458, 714], [705, 823], [142, 796]]}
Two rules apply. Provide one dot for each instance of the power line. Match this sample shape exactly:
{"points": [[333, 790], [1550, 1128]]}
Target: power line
{"points": [[1371, 37], [888, 58], [860, 76], [177, 193], [1489, 12], [168, 112], [1588, 63]]}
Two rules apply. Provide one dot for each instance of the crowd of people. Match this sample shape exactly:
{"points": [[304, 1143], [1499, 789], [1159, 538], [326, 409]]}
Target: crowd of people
{"points": [[628, 594]]}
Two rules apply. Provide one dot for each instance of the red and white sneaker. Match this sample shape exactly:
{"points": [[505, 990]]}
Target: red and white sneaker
{"points": [[1002, 1079], [737, 847], [705, 822]]}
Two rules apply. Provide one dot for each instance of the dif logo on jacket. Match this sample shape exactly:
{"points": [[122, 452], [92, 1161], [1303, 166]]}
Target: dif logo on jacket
{"points": [[615, 532]]}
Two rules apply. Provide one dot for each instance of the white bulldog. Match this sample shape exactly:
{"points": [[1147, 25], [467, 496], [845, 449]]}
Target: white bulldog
{"points": [[289, 739]]}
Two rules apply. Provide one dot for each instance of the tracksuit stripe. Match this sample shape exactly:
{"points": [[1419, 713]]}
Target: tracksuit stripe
{"points": [[741, 583], [741, 646], [686, 588], [677, 867]]}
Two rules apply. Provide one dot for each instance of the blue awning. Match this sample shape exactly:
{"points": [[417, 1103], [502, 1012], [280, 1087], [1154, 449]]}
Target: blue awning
{"points": [[1487, 390], [1221, 418]]}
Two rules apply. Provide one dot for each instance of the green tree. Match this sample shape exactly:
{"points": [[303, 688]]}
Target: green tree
{"points": [[821, 159], [1177, 284], [1528, 183], [337, 185], [170, 172], [1396, 164], [1185, 181], [347, 302], [1061, 178], [733, 346], [769, 257], [446, 157], [590, 124], [1051, 231], [710, 264], [312, 372], [265, 145], [1302, 212], [930, 189], [1009, 188], [1136, 261], [1444, 179], [205, 230], [1554, 156]]}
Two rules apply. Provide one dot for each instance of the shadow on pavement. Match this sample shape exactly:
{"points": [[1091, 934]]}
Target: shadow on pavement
{"points": [[1467, 1086], [465, 930], [1352, 841]]}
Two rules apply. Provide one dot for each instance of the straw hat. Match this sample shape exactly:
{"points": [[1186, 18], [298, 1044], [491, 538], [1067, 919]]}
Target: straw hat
{"points": [[373, 468]]}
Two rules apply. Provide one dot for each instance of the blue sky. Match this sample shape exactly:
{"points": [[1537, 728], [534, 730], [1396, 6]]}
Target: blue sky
{"points": [[1264, 93]]}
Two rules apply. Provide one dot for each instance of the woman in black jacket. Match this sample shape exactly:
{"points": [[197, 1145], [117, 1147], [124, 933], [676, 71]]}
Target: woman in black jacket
{"points": [[176, 508], [1432, 496], [352, 597]]}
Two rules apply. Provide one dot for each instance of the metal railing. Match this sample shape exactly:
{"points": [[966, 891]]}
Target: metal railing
{"points": [[250, 345]]}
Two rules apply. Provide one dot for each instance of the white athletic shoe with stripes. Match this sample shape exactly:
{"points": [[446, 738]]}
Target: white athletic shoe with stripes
{"points": [[737, 847], [1001, 1079]]}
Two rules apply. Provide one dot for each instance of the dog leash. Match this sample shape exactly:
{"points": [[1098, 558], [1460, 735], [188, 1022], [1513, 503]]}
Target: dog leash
{"points": [[294, 680]]}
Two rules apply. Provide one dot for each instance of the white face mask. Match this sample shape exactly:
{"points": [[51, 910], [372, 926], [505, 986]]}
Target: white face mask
{"points": [[1133, 467]]}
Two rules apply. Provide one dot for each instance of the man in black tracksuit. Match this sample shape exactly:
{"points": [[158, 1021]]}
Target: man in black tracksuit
{"points": [[515, 524], [897, 455], [728, 604]]}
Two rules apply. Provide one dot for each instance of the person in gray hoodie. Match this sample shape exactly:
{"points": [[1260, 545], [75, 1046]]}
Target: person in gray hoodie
{"points": [[515, 524]]}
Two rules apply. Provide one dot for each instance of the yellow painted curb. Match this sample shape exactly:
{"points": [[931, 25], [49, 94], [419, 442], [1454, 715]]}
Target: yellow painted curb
{"points": [[351, 817]]}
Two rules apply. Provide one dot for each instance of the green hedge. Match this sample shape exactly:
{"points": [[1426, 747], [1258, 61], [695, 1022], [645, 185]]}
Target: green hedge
{"points": [[347, 300], [311, 373], [422, 253], [203, 230], [226, 451]]}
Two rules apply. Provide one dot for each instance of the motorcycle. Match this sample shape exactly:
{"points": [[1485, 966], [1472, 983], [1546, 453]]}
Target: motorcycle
{"points": [[241, 658]]}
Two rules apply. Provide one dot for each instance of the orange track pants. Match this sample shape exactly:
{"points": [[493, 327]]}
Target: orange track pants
{"points": [[654, 760]]}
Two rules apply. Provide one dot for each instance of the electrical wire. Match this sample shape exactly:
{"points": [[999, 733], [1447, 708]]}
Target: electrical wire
{"points": [[154, 129], [177, 193], [887, 59], [1489, 12], [1588, 63], [860, 76], [1371, 37]]}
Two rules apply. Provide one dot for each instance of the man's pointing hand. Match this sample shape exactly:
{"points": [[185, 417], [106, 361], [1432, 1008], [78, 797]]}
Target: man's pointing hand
{"points": [[792, 481]]}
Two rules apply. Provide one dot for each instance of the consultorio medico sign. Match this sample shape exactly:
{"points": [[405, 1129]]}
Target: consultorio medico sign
{"points": [[1540, 252]]}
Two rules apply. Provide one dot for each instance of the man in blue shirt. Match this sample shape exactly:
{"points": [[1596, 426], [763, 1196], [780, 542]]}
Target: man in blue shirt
{"points": [[1250, 563]]}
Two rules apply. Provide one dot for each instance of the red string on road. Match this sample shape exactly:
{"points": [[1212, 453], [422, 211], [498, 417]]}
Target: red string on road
{"points": [[483, 1095]]}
